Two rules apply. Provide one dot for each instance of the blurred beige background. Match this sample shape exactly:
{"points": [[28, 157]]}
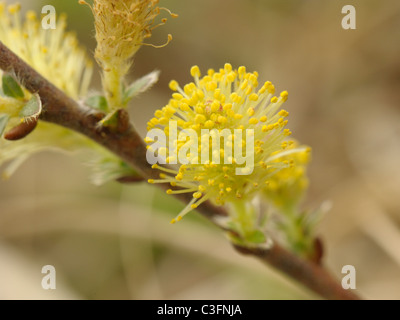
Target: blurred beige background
{"points": [[115, 241]]}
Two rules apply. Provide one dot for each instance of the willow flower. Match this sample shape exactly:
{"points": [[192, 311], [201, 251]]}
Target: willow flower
{"points": [[287, 187], [121, 29], [56, 55], [224, 100]]}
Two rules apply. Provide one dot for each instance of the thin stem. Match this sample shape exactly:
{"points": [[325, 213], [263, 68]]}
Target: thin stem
{"points": [[112, 86], [60, 109], [294, 232], [308, 273]]}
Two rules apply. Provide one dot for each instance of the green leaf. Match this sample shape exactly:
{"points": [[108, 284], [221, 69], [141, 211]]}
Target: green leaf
{"points": [[11, 88], [111, 120], [97, 102], [106, 168], [3, 122], [32, 109], [139, 86], [256, 237]]}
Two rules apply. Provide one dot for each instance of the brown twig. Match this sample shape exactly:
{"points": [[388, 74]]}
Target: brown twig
{"points": [[312, 275], [60, 109]]}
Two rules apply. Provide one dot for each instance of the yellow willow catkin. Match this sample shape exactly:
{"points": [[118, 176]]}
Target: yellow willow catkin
{"points": [[224, 100], [121, 29]]}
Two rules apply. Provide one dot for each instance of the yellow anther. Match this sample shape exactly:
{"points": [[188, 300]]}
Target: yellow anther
{"points": [[184, 107], [188, 89], [200, 94], [14, 8], [211, 86], [150, 181], [179, 176], [222, 120], [228, 67], [248, 90], [217, 93], [195, 71], [169, 110], [244, 84], [169, 191], [274, 100], [263, 164], [197, 195], [227, 106], [253, 97], [230, 113], [199, 110], [284, 95], [262, 90], [271, 89], [173, 85], [218, 76], [287, 132], [283, 113], [193, 99], [209, 124], [163, 120], [263, 119], [215, 106], [231, 76], [173, 221], [250, 112], [234, 96], [177, 96], [158, 113], [253, 121], [200, 119]]}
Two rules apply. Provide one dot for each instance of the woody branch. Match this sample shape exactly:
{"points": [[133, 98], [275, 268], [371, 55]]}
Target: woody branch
{"points": [[126, 143]]}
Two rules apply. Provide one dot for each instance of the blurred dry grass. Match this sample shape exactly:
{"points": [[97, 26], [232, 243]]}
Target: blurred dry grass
{"points": [[115, 242]]}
